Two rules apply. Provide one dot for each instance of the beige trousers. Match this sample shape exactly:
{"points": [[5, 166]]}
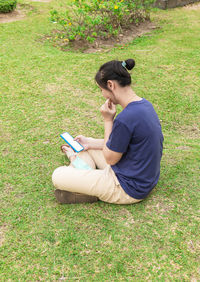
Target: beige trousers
{"points": [[101, 182]]}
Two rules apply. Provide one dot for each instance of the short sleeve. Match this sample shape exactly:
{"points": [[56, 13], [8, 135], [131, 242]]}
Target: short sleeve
{"points": [[119, 138]]}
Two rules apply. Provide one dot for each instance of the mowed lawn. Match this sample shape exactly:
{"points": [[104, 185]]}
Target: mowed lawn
{"points": [[45, 92]]}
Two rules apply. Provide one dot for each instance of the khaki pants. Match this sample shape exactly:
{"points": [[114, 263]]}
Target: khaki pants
{"points": [[101, 182]]}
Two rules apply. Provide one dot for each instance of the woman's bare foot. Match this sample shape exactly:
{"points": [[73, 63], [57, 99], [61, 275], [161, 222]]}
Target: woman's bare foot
{"points": [[69, 152]]}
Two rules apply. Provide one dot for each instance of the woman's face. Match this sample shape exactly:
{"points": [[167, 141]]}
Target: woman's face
{"points": [[108, 95]]}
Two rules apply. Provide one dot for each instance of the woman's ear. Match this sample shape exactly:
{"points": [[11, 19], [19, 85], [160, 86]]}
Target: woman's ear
{"points": [[110, 85]]}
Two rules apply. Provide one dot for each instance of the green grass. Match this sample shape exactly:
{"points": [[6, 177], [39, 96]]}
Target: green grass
{"points": [[45, 91]]}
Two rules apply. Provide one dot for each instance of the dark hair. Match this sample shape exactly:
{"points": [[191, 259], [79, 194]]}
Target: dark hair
{"points": [[115, 70]]}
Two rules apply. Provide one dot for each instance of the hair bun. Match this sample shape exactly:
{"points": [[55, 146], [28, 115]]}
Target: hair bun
{"points": [[130, 63]]}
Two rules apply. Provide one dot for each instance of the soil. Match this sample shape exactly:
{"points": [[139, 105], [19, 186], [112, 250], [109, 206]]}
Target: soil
{"points": [[124, 38], [194, 6], [12, 17], [19, 13], [100, 45]]}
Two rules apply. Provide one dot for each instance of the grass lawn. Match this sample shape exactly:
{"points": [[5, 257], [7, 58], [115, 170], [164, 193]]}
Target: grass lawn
{"points": [[44, 92]]}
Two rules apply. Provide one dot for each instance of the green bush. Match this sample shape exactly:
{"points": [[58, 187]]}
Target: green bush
{"points": [[7, 6], [100, 18]]}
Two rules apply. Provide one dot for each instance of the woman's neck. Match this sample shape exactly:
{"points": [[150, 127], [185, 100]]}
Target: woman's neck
{"points": [[127, 96]]}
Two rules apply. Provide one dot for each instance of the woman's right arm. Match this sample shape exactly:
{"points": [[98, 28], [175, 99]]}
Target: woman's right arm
{"points": [[89, 142]]}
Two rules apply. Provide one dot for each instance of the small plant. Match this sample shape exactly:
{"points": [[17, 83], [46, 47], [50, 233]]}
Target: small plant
{"points": [[100, 18], [7, 6]]}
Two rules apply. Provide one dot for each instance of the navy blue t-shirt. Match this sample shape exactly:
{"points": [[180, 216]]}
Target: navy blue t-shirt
{"points": [[137, 134]]}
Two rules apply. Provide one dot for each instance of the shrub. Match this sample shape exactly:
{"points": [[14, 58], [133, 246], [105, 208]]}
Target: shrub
{"points": [[7, 6], [100, 18]]}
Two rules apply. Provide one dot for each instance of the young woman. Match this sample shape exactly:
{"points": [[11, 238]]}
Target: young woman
{"points": [[123, 167]]}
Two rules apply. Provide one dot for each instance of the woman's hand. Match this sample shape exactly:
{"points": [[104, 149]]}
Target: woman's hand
{"points": [[89, 142], [108, 110], [84, 141]]}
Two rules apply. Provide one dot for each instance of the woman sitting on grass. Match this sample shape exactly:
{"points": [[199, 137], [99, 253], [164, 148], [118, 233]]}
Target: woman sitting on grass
{"points": [[123, 167]]}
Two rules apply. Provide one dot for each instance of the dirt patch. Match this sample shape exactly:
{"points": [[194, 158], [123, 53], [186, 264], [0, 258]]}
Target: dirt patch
{"points": [[195, 6], [183, 148], [18, 14], [11, 17], [4, 136], [126, 217], [160, 208], [52, 88], [8, 187], [2, 236], [192, 132], [5, 152], [125, 37]]}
